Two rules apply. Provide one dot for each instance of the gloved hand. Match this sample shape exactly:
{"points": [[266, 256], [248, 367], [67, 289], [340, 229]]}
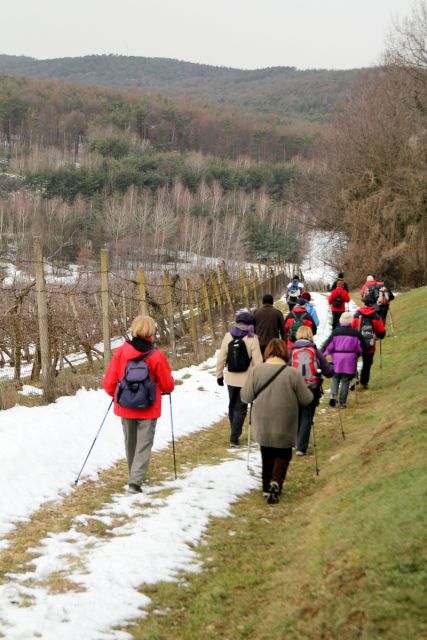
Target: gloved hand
{"points": [[220, 381]]}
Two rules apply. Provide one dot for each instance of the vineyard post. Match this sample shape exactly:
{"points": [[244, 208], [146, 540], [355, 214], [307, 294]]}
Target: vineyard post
{"points": [[105, 308], [190, 300], [207, 306], [169, 307]]}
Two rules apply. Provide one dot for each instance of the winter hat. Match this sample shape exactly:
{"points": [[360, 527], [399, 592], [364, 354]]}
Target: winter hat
{"points": [[306, 296], [267, 299], [341, 274], [244, 317], [370, 279], [301, 302], [346, 318]]}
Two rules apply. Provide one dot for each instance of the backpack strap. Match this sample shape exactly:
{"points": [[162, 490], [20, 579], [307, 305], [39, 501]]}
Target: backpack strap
{"points": [[265, 385]]}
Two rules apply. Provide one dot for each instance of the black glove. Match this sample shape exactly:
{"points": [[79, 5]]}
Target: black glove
{"points": [[220, 381]]}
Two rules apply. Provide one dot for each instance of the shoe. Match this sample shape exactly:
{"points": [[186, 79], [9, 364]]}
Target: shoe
{"points": [[300, 453], [273, 493], [134, 488], [234, 444], [343, 405], [352, 386], [364, 386], [332, 402]]}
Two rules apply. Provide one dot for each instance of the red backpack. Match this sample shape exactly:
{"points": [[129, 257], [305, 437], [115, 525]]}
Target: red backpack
{"points": [[304, 359]]}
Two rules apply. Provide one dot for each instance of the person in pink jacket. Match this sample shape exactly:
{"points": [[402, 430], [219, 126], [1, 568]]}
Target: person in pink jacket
{"points": [[139, 424]]}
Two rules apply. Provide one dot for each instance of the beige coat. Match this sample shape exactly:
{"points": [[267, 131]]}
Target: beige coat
{"points": [[237, 379], [275, 410]]}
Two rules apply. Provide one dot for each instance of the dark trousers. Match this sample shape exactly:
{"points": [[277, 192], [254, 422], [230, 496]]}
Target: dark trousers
{"points": [[236, 412], [336, 315], [382, 311], [275, 464], [306, 415], [367, 359]]}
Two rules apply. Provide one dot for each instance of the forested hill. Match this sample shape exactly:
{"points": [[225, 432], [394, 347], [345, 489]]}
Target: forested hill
{"points": [[285, 91]]}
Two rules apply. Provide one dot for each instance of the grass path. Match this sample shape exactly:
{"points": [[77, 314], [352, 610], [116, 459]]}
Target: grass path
{"points": [[343, 554]]}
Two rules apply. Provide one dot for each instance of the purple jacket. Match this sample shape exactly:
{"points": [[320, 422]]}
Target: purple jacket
{"points": [[344, 345]]}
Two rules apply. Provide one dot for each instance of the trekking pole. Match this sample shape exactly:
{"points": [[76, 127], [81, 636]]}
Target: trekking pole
{"points": [[249, 435], [93, 443], [173, 438], [314, 446], [341, 425], [391, 321], [381, 364]]}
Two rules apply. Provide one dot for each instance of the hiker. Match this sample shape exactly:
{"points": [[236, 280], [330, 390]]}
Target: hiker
{"points": [[371, 326], [385, 296], [369, 291], [311, 363], [294, 291], [138, 424], [240, 352], [310, 307], [269, 322], [337, 300], [276, 391], [339, 282], [296, 318], [345, 345]]}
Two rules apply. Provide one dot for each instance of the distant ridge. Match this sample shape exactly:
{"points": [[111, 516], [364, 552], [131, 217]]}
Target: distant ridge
{"points": [[285, 91]]}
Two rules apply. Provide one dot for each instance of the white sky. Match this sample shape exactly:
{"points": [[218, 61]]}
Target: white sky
{"points": [[247, 34]]}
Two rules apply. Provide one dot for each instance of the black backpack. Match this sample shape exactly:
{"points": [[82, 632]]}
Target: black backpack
{"points": [[371, 294], [238, 359], [366, 328], [337, 302]]}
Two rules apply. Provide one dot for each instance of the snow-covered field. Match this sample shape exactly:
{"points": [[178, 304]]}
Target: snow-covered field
{"points": [[42, 451]]}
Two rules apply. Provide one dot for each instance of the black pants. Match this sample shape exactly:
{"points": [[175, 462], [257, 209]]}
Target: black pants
{"points": [[236, 412], [336, 315], [306, 417], [367, 359], [275, 464]]}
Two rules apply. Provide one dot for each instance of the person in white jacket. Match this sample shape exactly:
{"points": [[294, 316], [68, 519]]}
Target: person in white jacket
{"points": [[239, 352]]}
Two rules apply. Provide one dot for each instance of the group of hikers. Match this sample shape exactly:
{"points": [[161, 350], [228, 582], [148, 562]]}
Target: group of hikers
{"points": [[268, 361]]}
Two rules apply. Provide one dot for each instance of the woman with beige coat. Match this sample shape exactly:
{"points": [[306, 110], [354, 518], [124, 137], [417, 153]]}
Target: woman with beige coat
{"points": [[276, 391], [248, 353]]}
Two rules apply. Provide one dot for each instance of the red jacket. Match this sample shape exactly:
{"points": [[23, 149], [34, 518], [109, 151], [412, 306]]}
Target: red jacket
{"points": [[377, 323], [344, 298], [307, 320], [160, 373]]}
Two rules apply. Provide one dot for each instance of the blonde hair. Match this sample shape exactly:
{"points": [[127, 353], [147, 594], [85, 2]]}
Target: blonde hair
{"points": [[143, 327], [304, 333]]}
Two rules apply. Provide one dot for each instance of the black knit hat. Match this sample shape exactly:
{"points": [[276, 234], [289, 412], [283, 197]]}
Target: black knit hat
{"points": [[267, 298], [245, 317]]}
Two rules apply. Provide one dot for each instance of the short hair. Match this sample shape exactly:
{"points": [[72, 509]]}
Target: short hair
{"points": [[143, 327], [341, 274], [267, 298], [276, 347], [304, 333]]}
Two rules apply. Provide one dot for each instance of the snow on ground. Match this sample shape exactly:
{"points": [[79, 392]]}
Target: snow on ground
{"points": [[42, 451]]}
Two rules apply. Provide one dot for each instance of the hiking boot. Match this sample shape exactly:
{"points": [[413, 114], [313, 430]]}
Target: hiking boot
{"points": [[332, 402], [364, 386], [300, 453], [352, 386], [343, 405], [234, 444], [134, 488], [273, 493]]}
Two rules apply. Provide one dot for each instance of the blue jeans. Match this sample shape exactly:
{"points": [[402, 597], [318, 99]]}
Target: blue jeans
{"points": [[306, 416], [236, 412], [344, 379]]}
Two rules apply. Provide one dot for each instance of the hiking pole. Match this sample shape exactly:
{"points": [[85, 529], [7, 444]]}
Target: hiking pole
{"points": [[381, 364], [314, 446], [173, 438], [341, 425], [249, 435], [391, 321], [99, 431]]}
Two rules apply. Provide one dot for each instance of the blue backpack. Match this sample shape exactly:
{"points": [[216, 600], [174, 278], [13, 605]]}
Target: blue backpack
{"points": [[136, 390]]}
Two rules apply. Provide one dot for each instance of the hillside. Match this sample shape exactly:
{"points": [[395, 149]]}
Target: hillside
{"points": [[285, 91], [342, 556]]}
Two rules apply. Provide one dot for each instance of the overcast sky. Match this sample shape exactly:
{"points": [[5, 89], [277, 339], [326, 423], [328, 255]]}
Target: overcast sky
{"points": [[338, 34]]}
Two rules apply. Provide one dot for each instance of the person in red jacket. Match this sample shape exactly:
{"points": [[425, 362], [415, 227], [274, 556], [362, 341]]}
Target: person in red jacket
{"points": [[139, 424], [297, 318], [337, 300], [367, 321]]}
